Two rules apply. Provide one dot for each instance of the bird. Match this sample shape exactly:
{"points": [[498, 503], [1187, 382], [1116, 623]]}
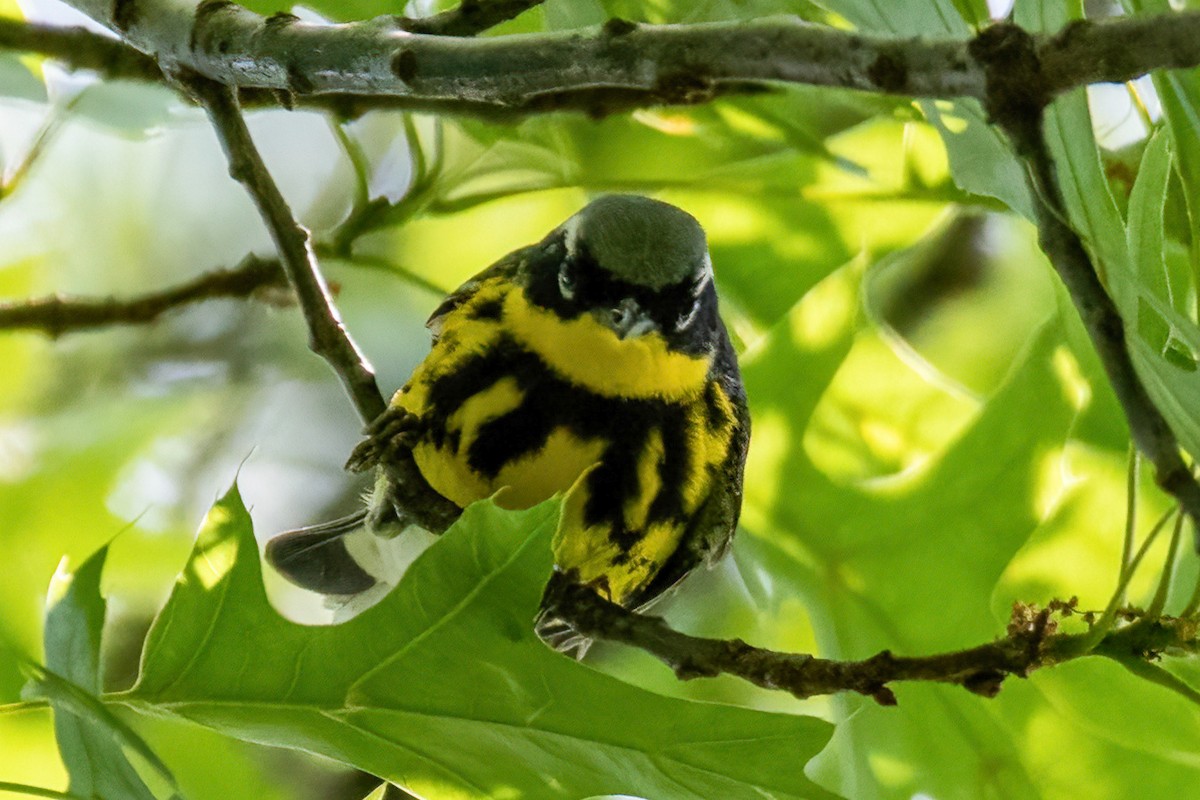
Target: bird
{"points": [[592, 364]]}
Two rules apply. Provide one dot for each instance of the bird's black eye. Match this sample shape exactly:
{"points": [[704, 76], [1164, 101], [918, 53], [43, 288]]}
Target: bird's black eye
{"points": [[566, 282], [685, 318]]}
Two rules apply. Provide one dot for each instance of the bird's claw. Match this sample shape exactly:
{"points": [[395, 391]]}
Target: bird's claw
{"points": [[392, 432]]}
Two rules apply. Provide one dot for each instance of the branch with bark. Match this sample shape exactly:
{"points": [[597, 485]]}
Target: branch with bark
{"points": [[57, 315], [328, 337], [1032, 642], [634, 64], [79, 48]]}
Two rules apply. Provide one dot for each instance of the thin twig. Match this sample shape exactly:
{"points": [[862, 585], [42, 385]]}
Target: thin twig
{"points": [[1159, 602], [469, 18], [620, 63], [1032, 642], [1194, 601], [79, 48], [37, 791], [11, 182], [1131, 497], [56, 315], [1118, 49], [328, 338], [351, 68], [1117, 602]]}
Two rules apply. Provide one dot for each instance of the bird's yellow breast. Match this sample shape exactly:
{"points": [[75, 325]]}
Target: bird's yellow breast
{"points": [[518, 403], [590, 354]]}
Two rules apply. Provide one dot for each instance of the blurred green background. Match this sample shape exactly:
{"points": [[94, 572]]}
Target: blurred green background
{"points": [[932, 439]]}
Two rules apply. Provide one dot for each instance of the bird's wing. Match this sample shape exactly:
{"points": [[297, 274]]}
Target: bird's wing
{"points": [[508, 266], [711, 530]]}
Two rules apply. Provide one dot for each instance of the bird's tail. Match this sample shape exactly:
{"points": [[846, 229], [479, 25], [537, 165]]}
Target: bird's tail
{"points": [[317, 558]]}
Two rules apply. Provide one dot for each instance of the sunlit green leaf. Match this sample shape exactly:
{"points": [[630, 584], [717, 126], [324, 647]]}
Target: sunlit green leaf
{"points": [[132, 109], [19, 81], [90, 739], [1179, 93], [333, 10], [917, 18], [443, 686], [907, 564]]}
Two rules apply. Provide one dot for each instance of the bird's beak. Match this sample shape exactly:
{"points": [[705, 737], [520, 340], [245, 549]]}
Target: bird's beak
{"points": [[627, 319]]}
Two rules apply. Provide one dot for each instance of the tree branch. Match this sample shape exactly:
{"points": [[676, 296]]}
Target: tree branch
{"points": [[56, 315], [632, 64], [1118, 50], [328, 338], [79, 48], [1019, 90], [383, 63], [469, 18], [659, 63], [1032, 642]]}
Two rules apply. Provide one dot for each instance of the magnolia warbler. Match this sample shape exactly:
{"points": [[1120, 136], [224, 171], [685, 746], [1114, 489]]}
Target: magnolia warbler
{"points": [[593, 363]]}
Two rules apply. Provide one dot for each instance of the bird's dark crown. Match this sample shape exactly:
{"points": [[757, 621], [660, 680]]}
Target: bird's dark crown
{"points": [[639, 240], [626, 247]]}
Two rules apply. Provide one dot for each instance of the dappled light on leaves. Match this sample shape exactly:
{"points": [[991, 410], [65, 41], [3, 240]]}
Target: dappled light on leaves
{"points": [[214, 562], [935, 440], [827, 311], [1075, 385]]}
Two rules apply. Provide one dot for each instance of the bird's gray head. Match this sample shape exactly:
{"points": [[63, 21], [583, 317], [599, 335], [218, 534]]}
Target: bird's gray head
{"points": [[638, 240]]}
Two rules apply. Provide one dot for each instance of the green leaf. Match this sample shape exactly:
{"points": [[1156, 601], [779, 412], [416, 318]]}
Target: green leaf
{"points": [[1154, 297], [906, 563], [980, 159], [442, 686], [332, 10], [90, 738], [915, 18], [19, 81], [132, 109], [1179, 93], [75, 622]]}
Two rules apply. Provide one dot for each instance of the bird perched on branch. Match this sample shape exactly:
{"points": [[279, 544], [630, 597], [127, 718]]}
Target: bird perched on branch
{"points": [[594, 364]]}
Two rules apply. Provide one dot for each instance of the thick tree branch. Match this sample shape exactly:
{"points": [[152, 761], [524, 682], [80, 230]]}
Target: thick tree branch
{"points": [[633, 64], [1018, 91], [1118, 50], [328, 338], [80, 49], [469, 18], [382, 63], [57, 315], [1032, 642], [679, 63]]}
